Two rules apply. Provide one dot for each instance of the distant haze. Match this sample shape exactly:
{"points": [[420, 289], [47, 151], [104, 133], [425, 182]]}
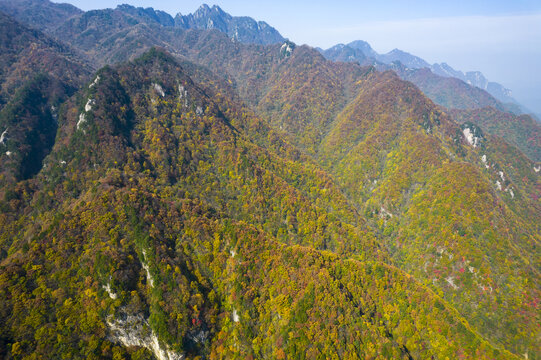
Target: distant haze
{"points": [[502, 39]]}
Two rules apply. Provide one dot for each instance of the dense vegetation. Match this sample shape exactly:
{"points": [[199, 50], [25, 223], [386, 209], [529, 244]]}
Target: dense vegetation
{"points": [[288, 207], [521, 131], [192, 236]]}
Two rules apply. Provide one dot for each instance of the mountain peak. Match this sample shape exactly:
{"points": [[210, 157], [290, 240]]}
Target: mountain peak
{"points": [[218, 9], [239, 28], [405, 58], [398, 51], [202, 11], [364, 47]]}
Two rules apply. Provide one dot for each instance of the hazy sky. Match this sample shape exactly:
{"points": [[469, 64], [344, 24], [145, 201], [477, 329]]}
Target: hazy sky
{"points": [[501, 38]]}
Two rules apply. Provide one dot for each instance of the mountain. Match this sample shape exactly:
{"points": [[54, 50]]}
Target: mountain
{"points": [[473, 78], [114, 35], [375, 147], [477, 79], [37, 75], [201, 277], [49, 17], [522, 131], [238, 28], [364, 47], [40, 14], [403, 57], [449, 92], [148, 14], [207, 198], [463, 99], [27, 52], [345, 53], [304, 95], [449, 88]]}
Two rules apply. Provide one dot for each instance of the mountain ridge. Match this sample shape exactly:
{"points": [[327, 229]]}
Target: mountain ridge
{"points": [[239, 28], [474, 78], [128, 291], [206, 197]]}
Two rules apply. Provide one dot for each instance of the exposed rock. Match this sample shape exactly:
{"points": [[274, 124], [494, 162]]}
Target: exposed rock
{"points": [[82, 120], [159, 89], [94, 82], [3, 137], [134, 330]]}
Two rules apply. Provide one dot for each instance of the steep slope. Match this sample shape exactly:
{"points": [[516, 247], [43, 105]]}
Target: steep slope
{"points": [[238, 28], [28, 124], [386, 144], [521, 131], [454, 90], [390, 156], [40, 14], [26, 52], [36, 76], [166, 230], [448, 91]]}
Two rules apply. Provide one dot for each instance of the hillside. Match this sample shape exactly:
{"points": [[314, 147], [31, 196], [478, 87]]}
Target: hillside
{"points": [[179, 252], [204, 197], [27, 52], [42, 15], [37, 75], [521, 131], [384, 147], [453, 90]]}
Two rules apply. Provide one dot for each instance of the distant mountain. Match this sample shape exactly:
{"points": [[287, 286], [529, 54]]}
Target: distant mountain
{"points": [[40, 14], [405, 58], [49, 16], [346, 53], [148, 14], [364, 47], [473, 78], [239, 28], [450, 92]]}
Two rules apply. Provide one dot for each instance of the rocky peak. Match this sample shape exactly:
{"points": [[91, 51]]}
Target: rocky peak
{"points": [[239, 28], [202, 11]]}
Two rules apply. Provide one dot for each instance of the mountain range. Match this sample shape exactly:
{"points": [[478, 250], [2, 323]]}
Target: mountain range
{"points": [[360, 51], [200, 187]]}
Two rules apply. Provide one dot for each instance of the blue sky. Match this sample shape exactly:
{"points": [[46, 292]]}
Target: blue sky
{"points": [[501, 38]]}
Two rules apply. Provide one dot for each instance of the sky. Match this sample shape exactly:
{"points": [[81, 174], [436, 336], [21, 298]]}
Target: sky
{"points": [[500, 38]]}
